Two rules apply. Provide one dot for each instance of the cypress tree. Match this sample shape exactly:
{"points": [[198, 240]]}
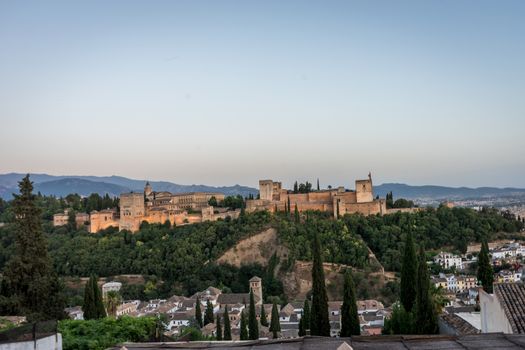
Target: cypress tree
{"points": [[99, 303], [318, 188], [198, 312], [295, 187], [244, 331], [208, 314], [263, 319], [296, 214], [227, 326], [89, 308], [306, 314], [253, 325], [426, 318], [408, 274], [319, 323], [275, 325], [219, 328], [302, 330], [485, 272], [30, 286], [289, 207], [349, 318]]}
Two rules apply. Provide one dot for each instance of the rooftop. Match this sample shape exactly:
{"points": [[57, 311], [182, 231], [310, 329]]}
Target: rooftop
{"points": [[512, 299], [468, 342]]}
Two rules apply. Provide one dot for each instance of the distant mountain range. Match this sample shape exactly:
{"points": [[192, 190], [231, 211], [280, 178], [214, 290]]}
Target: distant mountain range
{"points": [[430, 192], [115, 185], [112, 185]]}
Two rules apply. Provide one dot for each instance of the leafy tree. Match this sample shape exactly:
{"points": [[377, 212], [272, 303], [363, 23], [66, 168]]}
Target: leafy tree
{"points": [[408, 274], [425, 314], [105, 333], [400, 322], [244, 330], [275, 325], [213, 201], [198, 313], [485, 272], [208, 314], [319, 323], [29, 285], [349, 319], [219, 328], [263, 319], [227, 326], [253, 325]]}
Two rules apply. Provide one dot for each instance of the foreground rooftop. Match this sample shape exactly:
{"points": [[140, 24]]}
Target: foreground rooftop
{"points": [[469, 342]]}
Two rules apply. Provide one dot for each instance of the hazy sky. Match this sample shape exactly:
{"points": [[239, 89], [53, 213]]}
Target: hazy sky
{"points": [[224, 92]]}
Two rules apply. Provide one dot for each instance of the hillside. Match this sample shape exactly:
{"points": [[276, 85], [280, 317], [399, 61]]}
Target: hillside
{"points": [[297, 281], [112, 185]]}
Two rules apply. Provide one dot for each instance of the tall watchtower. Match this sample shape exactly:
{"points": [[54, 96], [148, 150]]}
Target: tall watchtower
{"points": [[256, 287], [147, 189]]}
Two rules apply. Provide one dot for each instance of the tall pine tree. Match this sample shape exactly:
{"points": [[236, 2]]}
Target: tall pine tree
{"points": [[208, 314], [485, 272], [227, 325], [349, 318], [275, 325], [426, 317], [296, 214], [253, 325], [263, 319], [408, 273], [302, 330], [89, 306], [306, 314], [198, 312], [244, 330], [219, 328], [319, 323], [30, 286], [93, 307], [99, 303]]}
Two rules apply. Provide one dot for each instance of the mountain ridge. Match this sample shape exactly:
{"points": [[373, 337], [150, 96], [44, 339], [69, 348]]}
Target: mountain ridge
{"points": [[114, 185]]}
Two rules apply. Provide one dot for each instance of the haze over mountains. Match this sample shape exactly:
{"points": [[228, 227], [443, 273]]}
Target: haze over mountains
{"points": [[115, 185]]}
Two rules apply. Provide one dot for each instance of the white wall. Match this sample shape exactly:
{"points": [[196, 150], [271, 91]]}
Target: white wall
{"points": [[49, 343], [493, 317]]}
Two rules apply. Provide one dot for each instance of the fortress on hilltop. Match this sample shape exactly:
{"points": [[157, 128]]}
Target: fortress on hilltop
{"points": [[193, 207], [154, 208], [339, 201]]}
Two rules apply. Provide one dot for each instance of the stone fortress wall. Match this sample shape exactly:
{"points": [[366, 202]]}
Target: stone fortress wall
{"points": [[338, 201]]}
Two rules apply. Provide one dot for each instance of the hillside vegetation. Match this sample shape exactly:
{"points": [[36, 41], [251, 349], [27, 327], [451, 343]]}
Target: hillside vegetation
{"points": [[182, 260]]}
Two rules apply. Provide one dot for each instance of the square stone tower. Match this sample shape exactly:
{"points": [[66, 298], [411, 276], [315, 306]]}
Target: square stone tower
{"points": [[132, 211], [256, 287]]}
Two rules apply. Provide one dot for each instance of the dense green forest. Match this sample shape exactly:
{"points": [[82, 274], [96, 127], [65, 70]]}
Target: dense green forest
{"points": [[183, 257], [453, 228]]}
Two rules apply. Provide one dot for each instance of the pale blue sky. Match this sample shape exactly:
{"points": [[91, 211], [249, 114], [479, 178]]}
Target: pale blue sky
{"points": [[225, 92]]}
